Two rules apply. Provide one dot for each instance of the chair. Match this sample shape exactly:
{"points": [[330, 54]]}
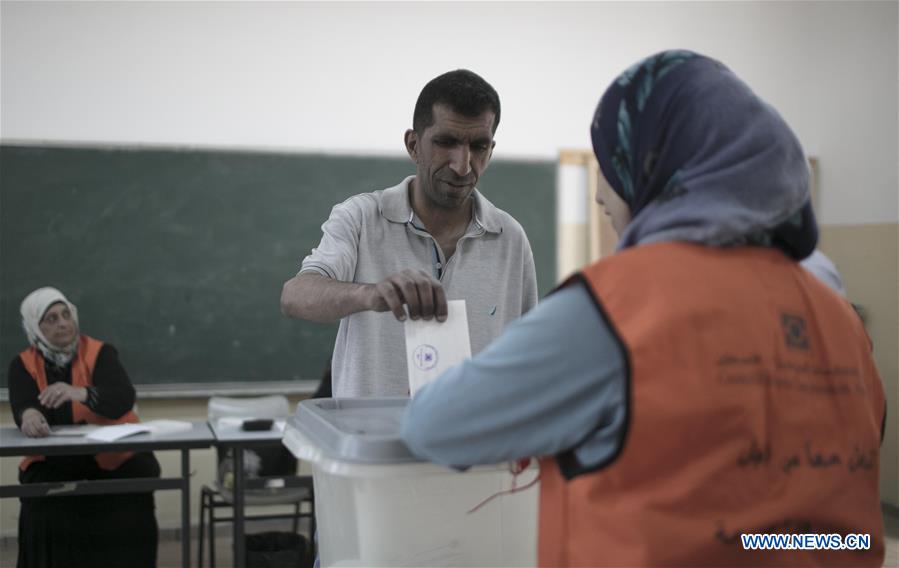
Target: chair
{"points": [[272, 462]]}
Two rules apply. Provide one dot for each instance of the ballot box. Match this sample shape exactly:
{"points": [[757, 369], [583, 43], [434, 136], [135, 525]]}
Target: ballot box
{"points": [[378, 505]]}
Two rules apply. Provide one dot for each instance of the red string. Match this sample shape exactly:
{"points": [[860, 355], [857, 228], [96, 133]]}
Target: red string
{"points": [[515, 468]]}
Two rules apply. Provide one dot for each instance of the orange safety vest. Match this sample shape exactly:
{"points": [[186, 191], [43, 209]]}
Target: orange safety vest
{"points": [[82, 373], [753, 406]]}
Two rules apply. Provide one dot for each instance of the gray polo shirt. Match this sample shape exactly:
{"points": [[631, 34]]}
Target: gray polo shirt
{"points": [[371, 236]]}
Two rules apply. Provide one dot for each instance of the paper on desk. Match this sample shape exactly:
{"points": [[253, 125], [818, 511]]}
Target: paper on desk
{"points": [[433, 347], [75, 430], [163, 427], [116, 432], [157, 427]]}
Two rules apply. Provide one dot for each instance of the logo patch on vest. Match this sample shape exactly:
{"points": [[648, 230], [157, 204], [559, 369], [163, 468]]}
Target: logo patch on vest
{"points": [[794, 331]]}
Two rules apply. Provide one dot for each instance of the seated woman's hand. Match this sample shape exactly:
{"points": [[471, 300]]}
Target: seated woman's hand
{"points": [[34, 425], [58, 394]]}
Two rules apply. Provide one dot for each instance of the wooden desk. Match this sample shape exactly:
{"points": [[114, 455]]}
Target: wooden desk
{"points": [[14, 443]]}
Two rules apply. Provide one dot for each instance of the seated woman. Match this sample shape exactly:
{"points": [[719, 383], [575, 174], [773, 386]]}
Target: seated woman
{"points": [[66, 378]]}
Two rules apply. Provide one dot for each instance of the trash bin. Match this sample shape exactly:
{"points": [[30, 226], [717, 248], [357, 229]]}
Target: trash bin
{"points": [[275, 549], [378, 505]]}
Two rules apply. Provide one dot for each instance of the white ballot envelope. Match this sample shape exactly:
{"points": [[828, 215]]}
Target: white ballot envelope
{"points": [[433, 347]]}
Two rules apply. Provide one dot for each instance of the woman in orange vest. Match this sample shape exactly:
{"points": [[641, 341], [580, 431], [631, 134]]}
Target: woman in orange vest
{"points": [[66, 378], [697, 387]]}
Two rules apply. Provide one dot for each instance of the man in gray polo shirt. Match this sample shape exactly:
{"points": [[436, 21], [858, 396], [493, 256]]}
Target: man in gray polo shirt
{"points": [[429, 239]]}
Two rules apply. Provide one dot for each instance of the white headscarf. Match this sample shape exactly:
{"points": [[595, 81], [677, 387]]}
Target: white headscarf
{"points": [[34, 306]]}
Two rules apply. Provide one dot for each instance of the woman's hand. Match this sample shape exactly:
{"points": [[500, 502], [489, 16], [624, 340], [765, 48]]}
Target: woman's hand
{"points": [[58, 394], [34, 425]]}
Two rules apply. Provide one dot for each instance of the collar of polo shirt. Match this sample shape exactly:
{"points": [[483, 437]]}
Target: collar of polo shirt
{"points": [[395, 207]]}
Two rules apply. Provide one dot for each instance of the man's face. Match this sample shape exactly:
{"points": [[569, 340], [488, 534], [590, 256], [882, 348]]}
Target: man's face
{"points": [[451, 155]]}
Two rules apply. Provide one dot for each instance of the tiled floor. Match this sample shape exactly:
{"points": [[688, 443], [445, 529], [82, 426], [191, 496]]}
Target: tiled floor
{"points": [[891, 526], [170, 548], [169, 552]]}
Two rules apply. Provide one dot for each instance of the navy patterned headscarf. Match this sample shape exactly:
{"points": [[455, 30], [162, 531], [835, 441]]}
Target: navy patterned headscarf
{"points": [[699, 157]]}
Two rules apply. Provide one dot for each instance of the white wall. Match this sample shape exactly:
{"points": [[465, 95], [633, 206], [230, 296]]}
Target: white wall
{"points": [[343, 77]]}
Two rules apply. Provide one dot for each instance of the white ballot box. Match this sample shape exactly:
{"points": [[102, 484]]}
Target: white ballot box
{"points": [[378, 505]]}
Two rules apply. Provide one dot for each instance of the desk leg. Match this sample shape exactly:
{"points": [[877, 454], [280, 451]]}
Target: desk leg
{"points": [[185, 508], [239, 555]]}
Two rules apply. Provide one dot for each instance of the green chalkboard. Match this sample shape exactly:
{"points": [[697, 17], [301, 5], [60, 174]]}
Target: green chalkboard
{"points": [[177, 257]]}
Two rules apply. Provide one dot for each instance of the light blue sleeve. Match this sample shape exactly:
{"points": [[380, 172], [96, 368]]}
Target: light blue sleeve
{"points": [[554, 381]]}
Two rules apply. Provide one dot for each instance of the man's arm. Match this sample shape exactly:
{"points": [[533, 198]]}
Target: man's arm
{"points": [[322, 291], [314, 297]]}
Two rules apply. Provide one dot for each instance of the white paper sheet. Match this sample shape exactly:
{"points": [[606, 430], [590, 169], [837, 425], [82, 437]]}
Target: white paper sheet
{"points": [[76, 430], [433, 347], [163, 427], [116, 432]]}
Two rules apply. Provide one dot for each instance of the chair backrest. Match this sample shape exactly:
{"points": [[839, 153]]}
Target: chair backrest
{"points": [[271, 460], [274, 406]]}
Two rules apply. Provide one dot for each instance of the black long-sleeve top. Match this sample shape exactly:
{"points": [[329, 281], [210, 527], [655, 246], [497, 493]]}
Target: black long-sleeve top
{"points": [[111, 397]]}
